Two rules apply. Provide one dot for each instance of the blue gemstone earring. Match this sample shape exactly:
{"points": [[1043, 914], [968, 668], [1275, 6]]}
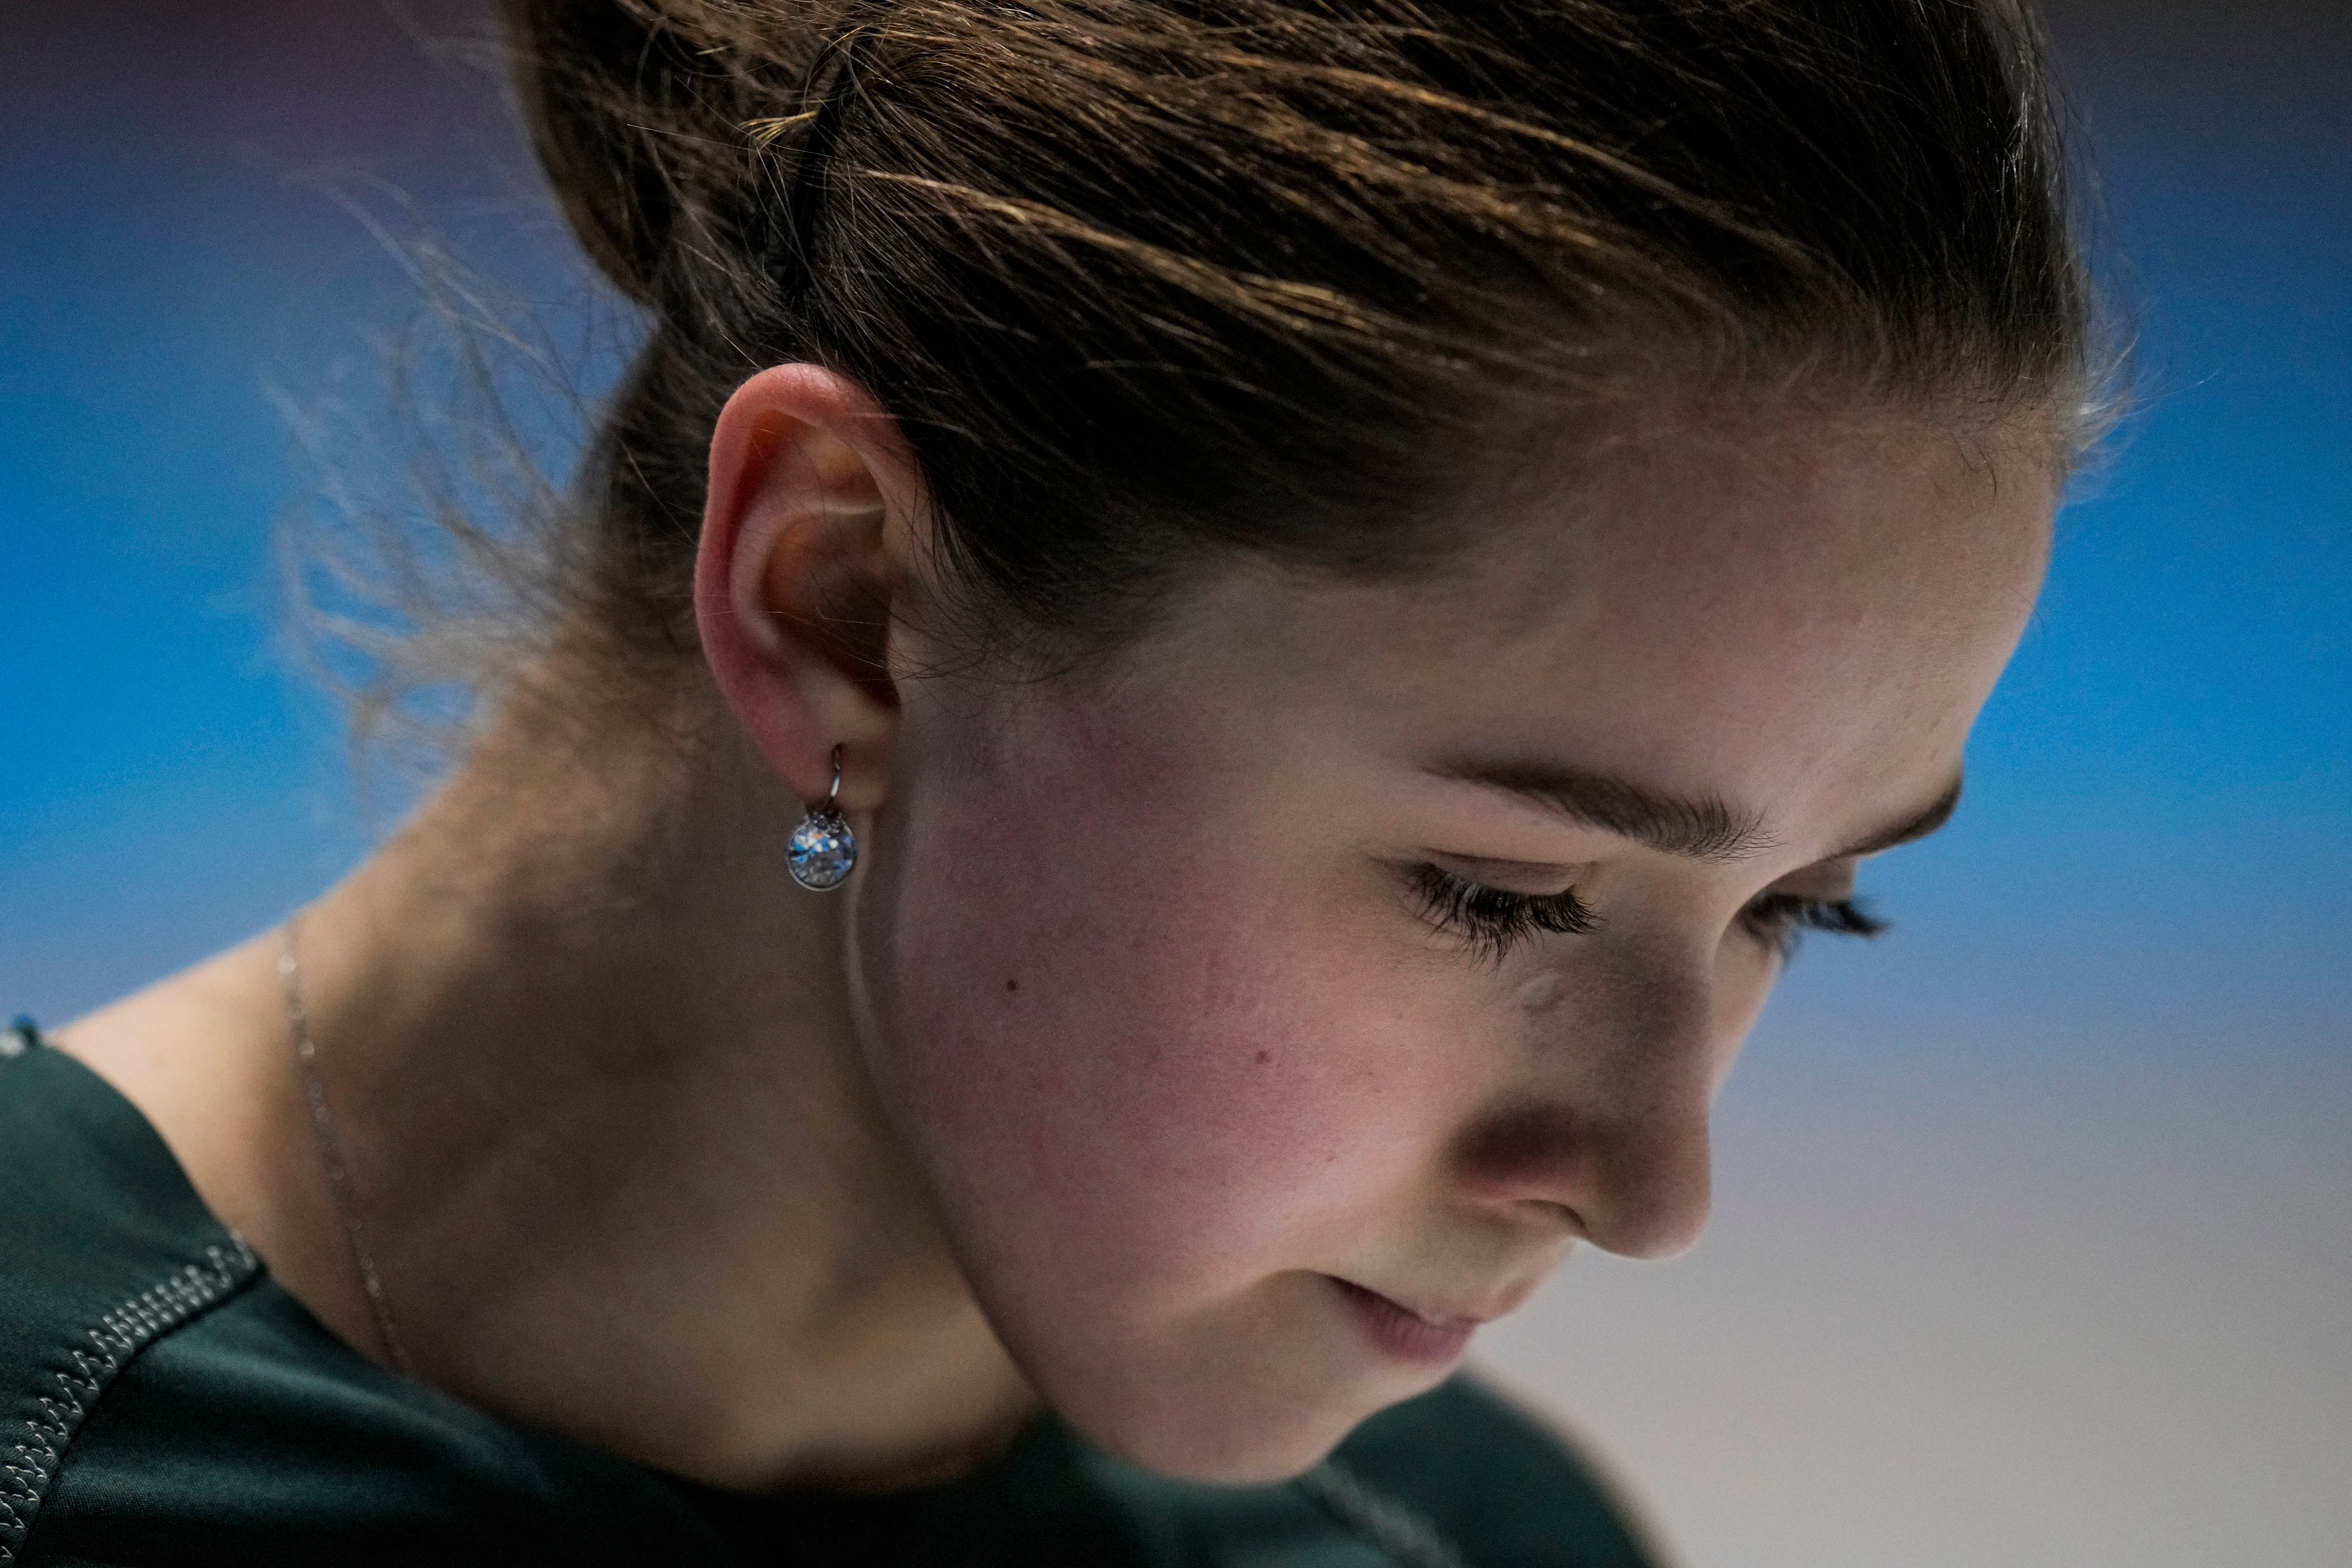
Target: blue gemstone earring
{"points": [[822, 848]]}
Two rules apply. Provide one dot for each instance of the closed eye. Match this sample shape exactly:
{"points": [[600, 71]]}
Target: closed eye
{"points": [[1779, 920], [1490, 921]]}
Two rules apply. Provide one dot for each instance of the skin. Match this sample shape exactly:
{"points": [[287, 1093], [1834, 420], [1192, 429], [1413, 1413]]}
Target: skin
{"points": [[1131, 1039]]}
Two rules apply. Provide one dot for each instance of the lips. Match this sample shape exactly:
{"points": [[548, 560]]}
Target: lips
{"points": [[1402, 1332]]}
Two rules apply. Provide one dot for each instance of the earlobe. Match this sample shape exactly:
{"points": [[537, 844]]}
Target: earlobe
{"points": [[798, 570]]}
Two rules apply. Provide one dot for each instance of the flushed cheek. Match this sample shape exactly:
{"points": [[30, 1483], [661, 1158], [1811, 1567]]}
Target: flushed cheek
{"points": [[1145, 1083], [1165, 1096]]}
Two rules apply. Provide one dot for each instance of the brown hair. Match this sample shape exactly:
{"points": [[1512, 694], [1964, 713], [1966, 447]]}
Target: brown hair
{"points": [[1147, 279]]}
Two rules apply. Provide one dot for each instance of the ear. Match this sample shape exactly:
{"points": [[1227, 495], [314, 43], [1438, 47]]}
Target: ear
{"points": [[807, 539]]}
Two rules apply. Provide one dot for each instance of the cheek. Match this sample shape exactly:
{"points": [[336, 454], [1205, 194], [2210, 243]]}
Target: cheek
{"points": [[1139, 1071]]}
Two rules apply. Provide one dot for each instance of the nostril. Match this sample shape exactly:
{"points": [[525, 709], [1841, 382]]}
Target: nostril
{"points": [[1565, 1215], [1639, 1188], [1530, 1154]]}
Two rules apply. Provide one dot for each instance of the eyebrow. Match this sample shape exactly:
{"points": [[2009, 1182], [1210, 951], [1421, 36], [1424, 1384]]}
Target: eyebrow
{"points": [[1917, 825], [1696, 827]]}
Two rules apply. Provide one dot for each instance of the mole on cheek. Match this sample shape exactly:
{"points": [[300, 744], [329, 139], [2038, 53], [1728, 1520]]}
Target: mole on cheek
{"points": [[1540, 993], [1263, 1058], [1012, 986]]}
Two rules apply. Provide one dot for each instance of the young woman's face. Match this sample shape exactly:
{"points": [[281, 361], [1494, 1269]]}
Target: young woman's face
{"points": [[1272, 1007]]}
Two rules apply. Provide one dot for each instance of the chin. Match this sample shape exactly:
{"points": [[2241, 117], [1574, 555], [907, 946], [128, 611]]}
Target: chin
{"points": [[1254, 1440]]}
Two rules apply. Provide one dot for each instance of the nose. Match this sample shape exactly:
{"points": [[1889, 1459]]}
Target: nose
{"points": [[1608, 1125], [1635, 1185]]}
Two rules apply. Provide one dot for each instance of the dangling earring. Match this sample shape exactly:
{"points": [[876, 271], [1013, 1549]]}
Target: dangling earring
{"points": [[822, 848]]}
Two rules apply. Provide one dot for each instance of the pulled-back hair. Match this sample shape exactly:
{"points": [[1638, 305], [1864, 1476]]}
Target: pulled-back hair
{"points": [[1143, 280]]}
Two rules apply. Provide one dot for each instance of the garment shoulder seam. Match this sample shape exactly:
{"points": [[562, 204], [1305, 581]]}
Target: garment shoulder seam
{"points": [[29, 1466]]}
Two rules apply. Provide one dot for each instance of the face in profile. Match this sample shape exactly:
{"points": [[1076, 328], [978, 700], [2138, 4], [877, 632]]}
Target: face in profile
{"points": [[1275, 1002]]}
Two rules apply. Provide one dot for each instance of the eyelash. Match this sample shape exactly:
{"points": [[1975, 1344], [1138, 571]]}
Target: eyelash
{"points": [[1494, 921], [1779, 920], [1491, 920]]}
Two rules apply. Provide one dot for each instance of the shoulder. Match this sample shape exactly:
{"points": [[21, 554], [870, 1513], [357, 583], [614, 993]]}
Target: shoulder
{"points": [[100, 1261], [162, 1400]]}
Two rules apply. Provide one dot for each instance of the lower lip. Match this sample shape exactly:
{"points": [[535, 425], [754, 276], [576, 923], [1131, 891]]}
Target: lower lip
{"points": [[1404, 1334]]}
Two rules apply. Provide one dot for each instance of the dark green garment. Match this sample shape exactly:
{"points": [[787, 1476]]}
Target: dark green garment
{"points": [[162, 1401]]}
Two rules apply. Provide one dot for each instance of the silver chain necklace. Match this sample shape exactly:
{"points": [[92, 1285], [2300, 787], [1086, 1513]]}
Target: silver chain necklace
{"points": [[331, 1147]]}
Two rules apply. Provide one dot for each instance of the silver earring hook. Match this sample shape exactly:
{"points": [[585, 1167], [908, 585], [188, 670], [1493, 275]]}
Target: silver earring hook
{"points": [[822, 849]]}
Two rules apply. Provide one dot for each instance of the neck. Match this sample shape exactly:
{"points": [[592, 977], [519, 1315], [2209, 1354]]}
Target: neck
{"points": [[591, 1056]]}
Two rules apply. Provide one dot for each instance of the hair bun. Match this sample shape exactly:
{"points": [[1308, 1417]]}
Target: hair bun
{"points": [[602, 82]]}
